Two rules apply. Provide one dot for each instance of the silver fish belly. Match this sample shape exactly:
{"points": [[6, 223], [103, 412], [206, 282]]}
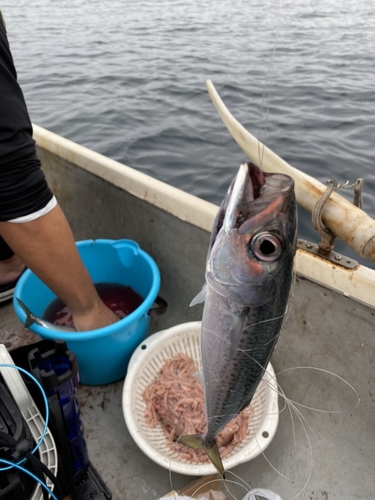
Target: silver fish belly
{"points": [[31, 318], [248, 278]]}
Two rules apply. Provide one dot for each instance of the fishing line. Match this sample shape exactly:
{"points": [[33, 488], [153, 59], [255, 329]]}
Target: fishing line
{"points": [[45, 427], [299, 416], [247, 351], [282, 394], [290, 303], [303, 421], [293, 426], [224, 481], [245, 485], [170, 478], [254, 431], [233, 415], [17, 466], [267, 90], [329, 373], [265, 321], [246, 328], [268, 382], [287, 310]]}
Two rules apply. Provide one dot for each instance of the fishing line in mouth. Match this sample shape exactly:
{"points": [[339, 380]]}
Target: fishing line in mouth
{"points": [[263, 120]]}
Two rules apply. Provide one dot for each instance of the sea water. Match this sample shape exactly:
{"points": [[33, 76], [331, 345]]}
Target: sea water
{"points": [[127, 79]]}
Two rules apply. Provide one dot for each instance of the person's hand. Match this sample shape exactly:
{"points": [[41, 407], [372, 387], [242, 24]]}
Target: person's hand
{"points": [[96, 317]]}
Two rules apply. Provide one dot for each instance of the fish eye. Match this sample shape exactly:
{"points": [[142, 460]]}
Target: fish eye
{"points": [[266, 247]]}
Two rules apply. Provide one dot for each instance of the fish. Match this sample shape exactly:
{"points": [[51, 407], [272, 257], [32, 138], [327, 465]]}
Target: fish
{"points": [[31, 318], [249, 273]]}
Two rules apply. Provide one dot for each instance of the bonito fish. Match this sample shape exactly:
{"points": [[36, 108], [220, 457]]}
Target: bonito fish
{"points": [[248, 278]]}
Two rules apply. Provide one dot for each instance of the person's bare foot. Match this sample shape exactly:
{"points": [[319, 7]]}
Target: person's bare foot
{"points": [[11, 269]]}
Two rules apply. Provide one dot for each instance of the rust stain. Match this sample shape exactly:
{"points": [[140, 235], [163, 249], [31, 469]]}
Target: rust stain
{"points": [[324, 260], [18, 338], [90, 396], [104, 402]]}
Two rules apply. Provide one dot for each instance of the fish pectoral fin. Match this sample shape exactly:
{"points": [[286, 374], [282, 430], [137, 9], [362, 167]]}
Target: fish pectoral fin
{"points": [[29, 320], [201, 297], [196, 442]]}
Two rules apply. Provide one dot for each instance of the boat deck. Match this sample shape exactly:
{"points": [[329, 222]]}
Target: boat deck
{"points": [[341, 459], [334, 459], [127, 472]]}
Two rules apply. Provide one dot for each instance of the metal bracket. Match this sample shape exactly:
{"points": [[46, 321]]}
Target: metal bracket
{"points": [[325, 246], [332, 256]]}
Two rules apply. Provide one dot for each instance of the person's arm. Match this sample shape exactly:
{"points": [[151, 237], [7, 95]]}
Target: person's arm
{"points": [[46, 245]]}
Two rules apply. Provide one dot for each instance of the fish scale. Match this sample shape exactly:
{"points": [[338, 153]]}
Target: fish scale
{"points": [[249, 273], [237, 375]]}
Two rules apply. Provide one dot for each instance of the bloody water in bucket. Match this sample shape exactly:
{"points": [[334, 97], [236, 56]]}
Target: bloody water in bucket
{"points": [[121, 299]]}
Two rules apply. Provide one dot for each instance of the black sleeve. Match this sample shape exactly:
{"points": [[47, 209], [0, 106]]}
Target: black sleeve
{"points": [[23, 188], [15, 126]]}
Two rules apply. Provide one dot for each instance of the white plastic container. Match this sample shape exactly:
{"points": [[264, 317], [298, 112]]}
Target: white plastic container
{"points": [[143, 368]]}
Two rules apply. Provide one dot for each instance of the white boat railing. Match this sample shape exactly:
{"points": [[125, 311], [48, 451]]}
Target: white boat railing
{"points": [[357, 283]]}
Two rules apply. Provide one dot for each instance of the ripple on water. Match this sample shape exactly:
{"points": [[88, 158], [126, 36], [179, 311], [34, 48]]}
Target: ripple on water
{"points": [[130, 83]]}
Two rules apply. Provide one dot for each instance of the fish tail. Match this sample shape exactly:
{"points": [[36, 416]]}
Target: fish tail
{"points": [[196, 442], [29, 320]]}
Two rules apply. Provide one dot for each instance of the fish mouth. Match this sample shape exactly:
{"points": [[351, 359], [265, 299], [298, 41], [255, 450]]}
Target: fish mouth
{"points": [[246, 188], [251, 192], [257, 178]]}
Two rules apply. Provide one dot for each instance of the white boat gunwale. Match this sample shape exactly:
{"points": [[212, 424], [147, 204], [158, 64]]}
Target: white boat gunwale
{"points": [[326, 328], [357, 283]]}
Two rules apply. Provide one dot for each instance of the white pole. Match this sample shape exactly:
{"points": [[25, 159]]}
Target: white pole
{"points": [[347, 222]]}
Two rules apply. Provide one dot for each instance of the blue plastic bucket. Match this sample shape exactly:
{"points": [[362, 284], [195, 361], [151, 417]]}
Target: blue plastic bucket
{"points": [[102, 354]]}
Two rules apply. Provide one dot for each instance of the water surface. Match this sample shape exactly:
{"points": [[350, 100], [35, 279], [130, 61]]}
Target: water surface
{"points": [[127, 79]]}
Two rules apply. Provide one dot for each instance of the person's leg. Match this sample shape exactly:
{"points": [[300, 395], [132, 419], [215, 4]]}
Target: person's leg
{"points": [[46, 245], [11, 268]]}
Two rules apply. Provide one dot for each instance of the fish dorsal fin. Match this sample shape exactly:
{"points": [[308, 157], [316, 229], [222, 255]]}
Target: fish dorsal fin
{"points": [[201, 297]]}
